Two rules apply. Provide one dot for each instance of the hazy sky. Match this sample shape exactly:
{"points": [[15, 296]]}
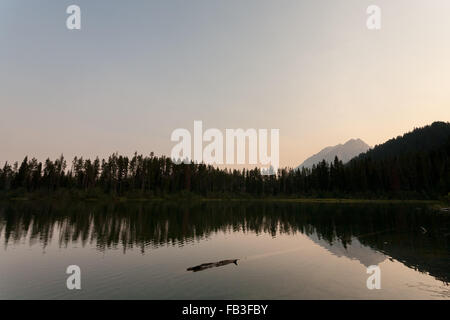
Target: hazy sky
{"points": [[137, 70]]}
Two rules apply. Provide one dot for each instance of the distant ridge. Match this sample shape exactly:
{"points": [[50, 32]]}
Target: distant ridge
{"points": [[420, 140], [345, 152]]}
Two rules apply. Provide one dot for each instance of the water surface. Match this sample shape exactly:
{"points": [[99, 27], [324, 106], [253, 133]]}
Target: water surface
{"points": [[285, 250]]}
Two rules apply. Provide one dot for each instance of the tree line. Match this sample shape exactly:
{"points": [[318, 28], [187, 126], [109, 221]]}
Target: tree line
{"points": [[419, 175], [410, 173]]}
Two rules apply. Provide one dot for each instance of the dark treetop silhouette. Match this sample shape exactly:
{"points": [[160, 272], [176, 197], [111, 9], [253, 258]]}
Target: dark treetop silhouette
{"points": [[415, 165]]}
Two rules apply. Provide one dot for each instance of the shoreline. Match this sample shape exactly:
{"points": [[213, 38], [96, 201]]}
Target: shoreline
{"points": [[203, 199]]}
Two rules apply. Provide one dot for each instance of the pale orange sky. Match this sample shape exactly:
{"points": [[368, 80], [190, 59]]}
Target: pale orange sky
{"points": [[135, 72]]}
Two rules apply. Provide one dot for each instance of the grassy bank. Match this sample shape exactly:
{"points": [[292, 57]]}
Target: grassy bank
{"points": [[76, 195]]}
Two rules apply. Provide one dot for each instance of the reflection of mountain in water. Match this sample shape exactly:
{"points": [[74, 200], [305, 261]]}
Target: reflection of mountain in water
{"points": [[354, 250], [367, 233]]}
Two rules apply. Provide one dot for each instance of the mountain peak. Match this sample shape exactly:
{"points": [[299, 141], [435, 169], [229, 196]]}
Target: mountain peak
{"points": [[344, 152]]}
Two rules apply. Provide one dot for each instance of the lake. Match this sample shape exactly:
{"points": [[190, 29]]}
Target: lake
{"points": [[286, 250]]}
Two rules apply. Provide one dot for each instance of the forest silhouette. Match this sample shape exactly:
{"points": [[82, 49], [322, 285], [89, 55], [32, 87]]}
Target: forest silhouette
{"points": [[415, 165]]}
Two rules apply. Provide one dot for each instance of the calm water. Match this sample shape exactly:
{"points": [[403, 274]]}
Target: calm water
{"points": [[286, 250]]}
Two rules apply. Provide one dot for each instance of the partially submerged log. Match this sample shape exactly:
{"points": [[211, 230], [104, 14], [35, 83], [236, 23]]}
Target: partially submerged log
{"points": [[205, 266]]}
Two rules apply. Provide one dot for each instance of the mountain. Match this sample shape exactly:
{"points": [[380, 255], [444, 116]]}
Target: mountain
{"points": [[344, 152], [353, 250], [430, 138]]}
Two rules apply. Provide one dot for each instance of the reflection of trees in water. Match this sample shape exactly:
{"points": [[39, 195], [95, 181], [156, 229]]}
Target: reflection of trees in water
{"points": [[392, 229]]}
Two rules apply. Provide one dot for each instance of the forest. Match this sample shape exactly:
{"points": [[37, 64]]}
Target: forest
{"points": [[413, 166]]}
